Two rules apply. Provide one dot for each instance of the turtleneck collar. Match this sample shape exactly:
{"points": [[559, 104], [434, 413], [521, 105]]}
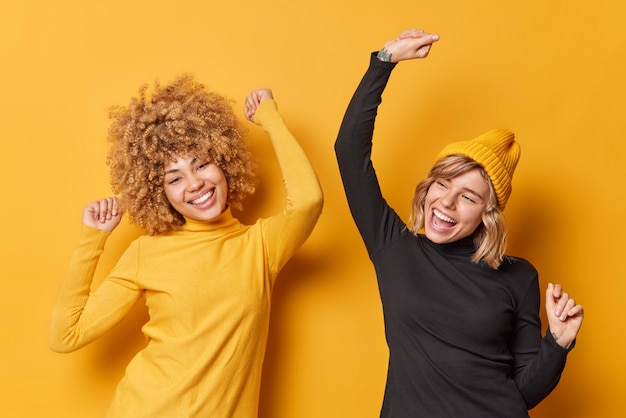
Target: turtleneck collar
{"points": [[460, 247], [222, 223]]}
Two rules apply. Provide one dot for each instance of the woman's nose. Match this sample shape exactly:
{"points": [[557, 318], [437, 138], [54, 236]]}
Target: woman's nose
{"points": [[195, 183], [448, 200]]}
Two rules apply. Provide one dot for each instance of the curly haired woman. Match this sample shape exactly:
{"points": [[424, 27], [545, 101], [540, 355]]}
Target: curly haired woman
{"points": [[179, 162]]}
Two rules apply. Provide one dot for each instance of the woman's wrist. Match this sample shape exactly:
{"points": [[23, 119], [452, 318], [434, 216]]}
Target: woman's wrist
{"points": [[562, 342], [384, 55]]}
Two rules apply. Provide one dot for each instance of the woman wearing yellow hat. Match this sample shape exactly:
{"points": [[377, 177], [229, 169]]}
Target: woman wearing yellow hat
{"points": [[461, 317]]}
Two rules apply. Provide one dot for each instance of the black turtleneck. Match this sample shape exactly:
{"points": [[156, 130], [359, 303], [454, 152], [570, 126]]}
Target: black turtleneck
{"points": [[464, 339]]}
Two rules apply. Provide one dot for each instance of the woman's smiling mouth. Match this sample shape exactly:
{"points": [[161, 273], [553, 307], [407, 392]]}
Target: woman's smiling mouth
{"points": [[439, 215], [203, 198]]}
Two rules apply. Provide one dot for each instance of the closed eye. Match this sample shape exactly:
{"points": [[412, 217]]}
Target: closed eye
{"points": [[203, 165], [469, 198]]}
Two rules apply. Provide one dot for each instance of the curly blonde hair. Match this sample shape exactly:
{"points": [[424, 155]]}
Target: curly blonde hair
{"points": [[490, 237], [181, 119]]}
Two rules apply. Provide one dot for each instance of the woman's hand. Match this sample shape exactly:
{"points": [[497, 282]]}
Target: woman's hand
{"points": [[253, 101], [102, 214], [410, 44], [565, 317]]}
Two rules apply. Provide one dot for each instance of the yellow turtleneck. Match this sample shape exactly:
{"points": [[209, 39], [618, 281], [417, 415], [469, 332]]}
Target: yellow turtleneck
{"points": [[208, 292]]}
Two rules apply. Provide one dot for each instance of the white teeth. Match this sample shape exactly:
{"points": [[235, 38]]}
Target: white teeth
{"points": [[202, 198], [443, 217]]}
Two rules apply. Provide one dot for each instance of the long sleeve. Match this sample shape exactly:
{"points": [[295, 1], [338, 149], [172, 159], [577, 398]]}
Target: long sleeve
{"points": [[537, 362], [288, 230], [464, 339], [376, 221], [80, 316]]}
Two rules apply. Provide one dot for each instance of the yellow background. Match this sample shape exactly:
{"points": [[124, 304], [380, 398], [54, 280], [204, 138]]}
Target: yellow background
{"points": [[552, 71]]}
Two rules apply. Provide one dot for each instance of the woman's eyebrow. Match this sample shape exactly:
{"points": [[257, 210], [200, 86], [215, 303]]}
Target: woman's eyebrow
{"points": [[173, 170]]}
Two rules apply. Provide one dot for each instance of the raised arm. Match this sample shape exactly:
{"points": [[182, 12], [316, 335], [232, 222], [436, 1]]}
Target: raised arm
{"points": [[304, 200], [80, 316], [376, 221]]}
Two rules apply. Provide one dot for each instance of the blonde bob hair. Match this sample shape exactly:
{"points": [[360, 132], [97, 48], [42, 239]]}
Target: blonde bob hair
{"points": [[178, 120], [491, 235]]}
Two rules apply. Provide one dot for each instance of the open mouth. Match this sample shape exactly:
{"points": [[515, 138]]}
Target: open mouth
{"points": [[442, 221], [203, 198]]}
